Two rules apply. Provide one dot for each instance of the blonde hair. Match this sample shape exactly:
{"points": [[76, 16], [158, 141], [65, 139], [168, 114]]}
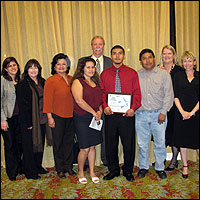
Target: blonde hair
{"points": [[97, 36], [171, 48], [189, 54]]}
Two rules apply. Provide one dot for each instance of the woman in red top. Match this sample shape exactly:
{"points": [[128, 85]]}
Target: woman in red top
{"points": [[86, 91], [58, 104]]}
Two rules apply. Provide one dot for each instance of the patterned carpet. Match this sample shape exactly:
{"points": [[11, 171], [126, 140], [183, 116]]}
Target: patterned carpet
{"points": [[150, 187]]}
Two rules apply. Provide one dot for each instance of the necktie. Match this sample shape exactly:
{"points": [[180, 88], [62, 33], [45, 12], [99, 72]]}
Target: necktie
{"points": [[98, 66], [117, 82]]}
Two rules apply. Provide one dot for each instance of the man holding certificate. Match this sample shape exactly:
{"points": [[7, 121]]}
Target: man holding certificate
{"points": [[121, 98]]}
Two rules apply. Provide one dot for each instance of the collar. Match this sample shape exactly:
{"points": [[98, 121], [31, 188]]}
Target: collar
{"points": [[100, 58], [155, 70]]}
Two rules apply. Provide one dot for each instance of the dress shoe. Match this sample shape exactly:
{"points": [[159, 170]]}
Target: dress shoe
{"points": [[33, 177], [71, 172], [43, 171], [185, 175], [85, 167], [161, 174], [13, 179], [129, 177], [111, 176], [21, 171], [142, 173], [61, 175], [172, 166]]}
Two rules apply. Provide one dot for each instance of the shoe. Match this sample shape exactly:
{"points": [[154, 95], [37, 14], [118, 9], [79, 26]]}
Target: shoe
{"points": [[172, 166], [71, 172], [95, 180], [111, 176], [185, 175], [21, 171], [33, 177], [82, 180], [85, 167], [43, 171], [161, 174], [142, 173], [13, 179], [129, 177], [61, 175]]}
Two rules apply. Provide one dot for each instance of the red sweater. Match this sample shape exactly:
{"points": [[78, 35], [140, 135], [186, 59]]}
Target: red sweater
{"points": [[57, 96], [129, 84]]}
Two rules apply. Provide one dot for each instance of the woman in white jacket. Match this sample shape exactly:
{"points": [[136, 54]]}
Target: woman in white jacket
{"points": [[10, 128]]}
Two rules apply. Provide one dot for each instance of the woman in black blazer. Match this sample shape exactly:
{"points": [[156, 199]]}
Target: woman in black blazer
{"points": [[33, 120]]}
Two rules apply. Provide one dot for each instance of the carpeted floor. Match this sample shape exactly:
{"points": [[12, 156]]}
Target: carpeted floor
{"points": [[150, 187]]}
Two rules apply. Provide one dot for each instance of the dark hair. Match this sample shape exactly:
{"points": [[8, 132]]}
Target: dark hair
{"points": [[5, 65], [55, 60], [146, 51], [29, 64], [79, 73], [117, 47]]}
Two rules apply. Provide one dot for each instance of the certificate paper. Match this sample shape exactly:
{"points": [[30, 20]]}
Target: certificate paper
{"points": [[119, 103], [95, 125]]}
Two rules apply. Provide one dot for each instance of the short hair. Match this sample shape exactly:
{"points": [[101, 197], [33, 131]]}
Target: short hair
{"points": [[5, 64], [97, 36], [188, 54], [117, 47], [171, 48], [146, 51], [28, 65], [55, 60]]}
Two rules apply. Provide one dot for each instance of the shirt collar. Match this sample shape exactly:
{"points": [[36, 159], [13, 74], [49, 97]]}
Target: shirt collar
{"points": [[100, 58]]}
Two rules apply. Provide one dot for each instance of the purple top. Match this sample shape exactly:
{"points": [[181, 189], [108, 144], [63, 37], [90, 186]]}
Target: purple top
{"points": [[92, 95]]}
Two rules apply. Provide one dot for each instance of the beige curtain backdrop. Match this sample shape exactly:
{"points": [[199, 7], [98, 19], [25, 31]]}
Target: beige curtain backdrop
{"points": [[41, 29]]}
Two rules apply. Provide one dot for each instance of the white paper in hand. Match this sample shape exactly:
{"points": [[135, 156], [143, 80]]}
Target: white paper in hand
{"points": [[94, 124]]}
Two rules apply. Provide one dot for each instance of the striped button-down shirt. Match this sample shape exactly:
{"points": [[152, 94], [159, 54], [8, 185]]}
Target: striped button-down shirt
{"points": [[156, 89]]}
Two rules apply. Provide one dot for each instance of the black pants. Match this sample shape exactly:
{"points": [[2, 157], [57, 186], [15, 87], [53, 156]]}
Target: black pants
{"points": [[13, 147], [63, 136], [32, 160], [116, 125]]}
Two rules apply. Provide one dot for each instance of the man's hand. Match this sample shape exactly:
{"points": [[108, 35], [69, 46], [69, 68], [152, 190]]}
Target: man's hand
{"points": [[161, 118], [129, 113]]}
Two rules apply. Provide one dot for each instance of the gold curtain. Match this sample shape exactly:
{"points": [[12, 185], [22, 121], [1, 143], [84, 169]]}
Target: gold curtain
{"points": [[187, 27], [41, 29]]}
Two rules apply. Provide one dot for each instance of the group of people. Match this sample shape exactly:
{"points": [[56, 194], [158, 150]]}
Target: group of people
{"points": [[164, 102]]}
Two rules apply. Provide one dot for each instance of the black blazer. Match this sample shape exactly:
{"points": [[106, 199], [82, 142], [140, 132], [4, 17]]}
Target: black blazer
{"points": [[107, 62], [24, 98]]}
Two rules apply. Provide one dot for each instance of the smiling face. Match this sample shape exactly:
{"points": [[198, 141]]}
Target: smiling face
{"points": [[167, 56], [89, 69], [97, 47], [147, 61], [61, 66], [33, 72], [188, 63], [12, 69]]}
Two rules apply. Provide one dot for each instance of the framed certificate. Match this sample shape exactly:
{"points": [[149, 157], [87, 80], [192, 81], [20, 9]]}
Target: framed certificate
{"points": [[118, 102]]}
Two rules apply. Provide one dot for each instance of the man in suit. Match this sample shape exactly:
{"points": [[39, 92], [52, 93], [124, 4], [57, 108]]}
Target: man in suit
{"points": [[103, 62]]}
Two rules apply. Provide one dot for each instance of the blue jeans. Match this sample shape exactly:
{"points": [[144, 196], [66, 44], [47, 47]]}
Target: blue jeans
{"points": [[146, 122]]}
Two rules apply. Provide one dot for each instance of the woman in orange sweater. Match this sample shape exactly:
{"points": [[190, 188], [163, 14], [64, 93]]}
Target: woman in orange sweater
{"points": [[58, 104]]}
